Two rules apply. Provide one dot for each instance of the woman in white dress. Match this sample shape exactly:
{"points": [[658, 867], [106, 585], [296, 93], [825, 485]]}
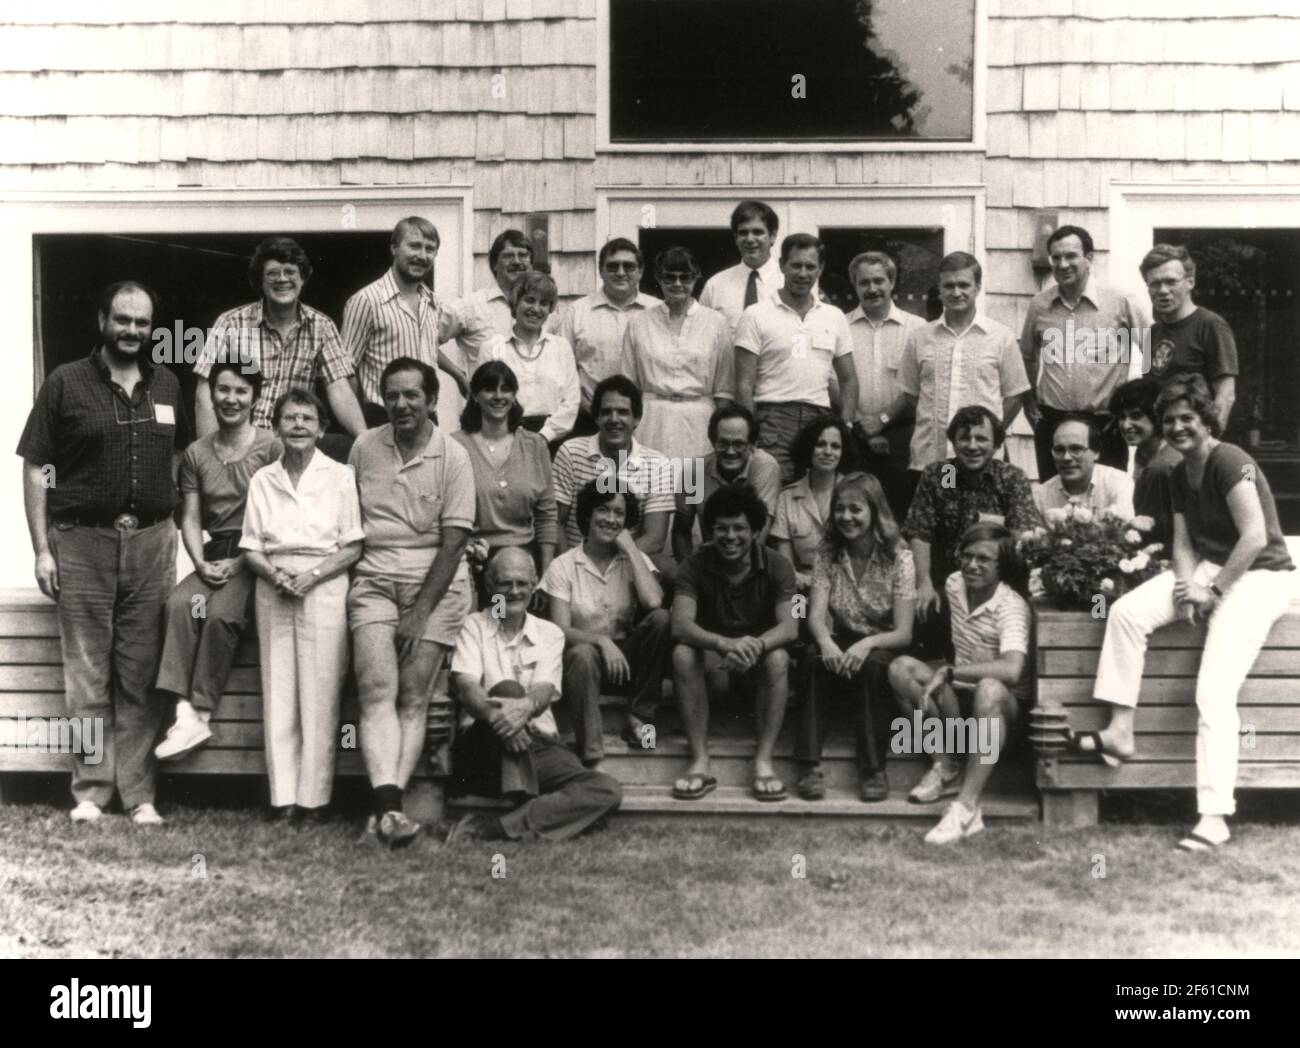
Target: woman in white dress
{"points": [[679, 353]]}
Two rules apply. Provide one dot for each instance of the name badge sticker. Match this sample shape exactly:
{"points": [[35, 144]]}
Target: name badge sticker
{"points": [[164, 414]]}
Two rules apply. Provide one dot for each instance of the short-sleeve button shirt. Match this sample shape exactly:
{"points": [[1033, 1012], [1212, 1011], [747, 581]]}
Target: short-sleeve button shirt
{"points": [[1109, 488], [864, 606], [800, 522], [795, 355], [594, 326], [534, 655], [318, 516], [877, 354], [736, 609], [603, 602], [725, 290], [406, 505]]}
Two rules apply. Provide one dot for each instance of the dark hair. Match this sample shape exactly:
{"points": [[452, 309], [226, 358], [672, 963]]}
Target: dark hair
{"points": [[111, 292], [957, 260], [800, 242], [619, 244], [676, 259], [1094, 433], [748, 209], [304, 397], [425, 228], [1085, 238], [495, 374], [1138, 394], [884, 528], [534, 282], [621, 385], [1162, 253], [732, 409], [284, 250], [1011, 569], [801, 448], [593, 495], [971, 416], [248, 372], [732, 500], [511, 237], [428, 376], [1192, 388]]}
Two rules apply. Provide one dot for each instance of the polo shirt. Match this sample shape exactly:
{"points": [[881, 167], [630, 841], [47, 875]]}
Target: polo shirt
{"points": [[999, 625], [1202, 343], [378, 327], [594, 326], [603, 602], [111, 453], [311, 350], [725, 290], [762, 473], [1067, 349], [1109, 488], [946, 370], [319, 516], [877, 354], [795, 355], [534, 655], [406, 505], [548, 379], [641, 470], [741, 609]]}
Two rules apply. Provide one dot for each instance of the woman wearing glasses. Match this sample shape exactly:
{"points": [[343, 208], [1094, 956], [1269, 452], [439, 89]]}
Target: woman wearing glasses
{"points": [[302, 531], [208, 612], [679, 354]]}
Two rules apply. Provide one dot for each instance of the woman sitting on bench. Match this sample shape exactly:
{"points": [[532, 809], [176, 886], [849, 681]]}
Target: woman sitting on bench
{"points": [[1231, 567]]}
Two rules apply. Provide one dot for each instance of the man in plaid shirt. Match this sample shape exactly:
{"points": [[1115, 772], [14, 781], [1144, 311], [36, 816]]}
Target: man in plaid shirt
{"points": [[291, 343]]}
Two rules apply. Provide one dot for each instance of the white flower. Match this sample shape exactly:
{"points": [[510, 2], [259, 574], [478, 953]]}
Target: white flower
{"points": [[1065, 543], [1108, 585], [1126, 566], [1140, 561], [1056, 516], [1040, 533], [1153, 548], [1133, 538], [1083, 514], [1143, 523]]}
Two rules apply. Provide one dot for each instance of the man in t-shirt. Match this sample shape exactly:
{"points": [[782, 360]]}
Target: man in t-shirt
{"points": [[1187, 337], [732, 619]]}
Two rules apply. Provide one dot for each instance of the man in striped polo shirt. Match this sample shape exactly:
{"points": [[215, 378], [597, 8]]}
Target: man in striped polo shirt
{"points": [[981, 695], [400, 316]]}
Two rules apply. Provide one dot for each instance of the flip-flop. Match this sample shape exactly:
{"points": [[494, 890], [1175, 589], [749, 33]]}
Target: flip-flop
{"points": [[698, 785], [762, 791], [1096, 751], [1194, 842]]}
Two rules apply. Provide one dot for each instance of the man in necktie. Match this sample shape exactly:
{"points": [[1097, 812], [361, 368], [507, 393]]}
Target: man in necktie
{"points": [[758, 275]]}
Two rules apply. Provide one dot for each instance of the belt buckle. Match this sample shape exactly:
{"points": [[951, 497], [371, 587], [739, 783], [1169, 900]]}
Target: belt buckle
{"points": [[126, 522]]}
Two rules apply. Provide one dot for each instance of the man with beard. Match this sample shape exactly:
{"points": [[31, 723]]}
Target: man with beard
{"points": [[400, 316], [99, 487]]}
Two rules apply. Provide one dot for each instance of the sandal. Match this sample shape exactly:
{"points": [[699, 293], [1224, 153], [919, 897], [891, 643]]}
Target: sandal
{"points": [[697, 785], [1096, 750], [763, 788], [812, 785], [1194, 842]]}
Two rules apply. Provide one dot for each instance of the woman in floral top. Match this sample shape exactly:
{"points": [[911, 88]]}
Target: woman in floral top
{"points": [[863, 600]]}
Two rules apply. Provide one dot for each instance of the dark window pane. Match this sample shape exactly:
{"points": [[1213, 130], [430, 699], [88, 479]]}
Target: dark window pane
{"points": [[722, 70]]}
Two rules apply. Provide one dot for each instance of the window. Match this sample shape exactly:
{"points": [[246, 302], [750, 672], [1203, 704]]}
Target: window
{"points": [[791, 70]]}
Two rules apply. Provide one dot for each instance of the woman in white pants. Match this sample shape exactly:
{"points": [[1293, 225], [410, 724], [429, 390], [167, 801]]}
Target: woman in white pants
{"points": [[302, 531], [1231, 568]]}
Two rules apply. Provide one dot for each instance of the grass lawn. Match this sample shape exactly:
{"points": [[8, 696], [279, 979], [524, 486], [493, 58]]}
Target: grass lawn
{"points": [[640, 888]]}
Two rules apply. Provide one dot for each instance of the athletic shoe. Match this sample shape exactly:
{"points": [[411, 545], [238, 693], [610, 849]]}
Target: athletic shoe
{"points": [[937, 784], [146, 815], [957, 822], [396, 830], [185, 736], [86, 811]]}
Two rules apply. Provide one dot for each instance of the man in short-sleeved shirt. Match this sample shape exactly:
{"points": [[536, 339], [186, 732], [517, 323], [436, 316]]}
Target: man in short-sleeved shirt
{"points": [[410, 591], [1080, 479], [788, 352], [733, 617], [963, 358], [98, 484]]}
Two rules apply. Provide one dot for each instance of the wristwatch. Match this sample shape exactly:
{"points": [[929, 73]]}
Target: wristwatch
{"points": [[884, 418], [1214, 588], [949, 675]]}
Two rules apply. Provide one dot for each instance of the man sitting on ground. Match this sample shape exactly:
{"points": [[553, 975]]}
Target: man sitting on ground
{"points": [[732, 619], [506, 673]]}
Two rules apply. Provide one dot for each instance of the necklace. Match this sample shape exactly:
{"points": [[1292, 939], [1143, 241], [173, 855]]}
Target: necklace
{"points": [[532, 353]]}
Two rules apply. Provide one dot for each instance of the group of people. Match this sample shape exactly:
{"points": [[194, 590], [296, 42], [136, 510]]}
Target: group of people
{"points": [[725, 491]]}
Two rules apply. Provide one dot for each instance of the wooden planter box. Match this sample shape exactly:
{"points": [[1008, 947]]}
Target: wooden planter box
{"points": [[1068, 649]]}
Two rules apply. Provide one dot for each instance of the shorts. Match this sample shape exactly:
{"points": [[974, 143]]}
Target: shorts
{"points": [[377, 601], [965, 692]]}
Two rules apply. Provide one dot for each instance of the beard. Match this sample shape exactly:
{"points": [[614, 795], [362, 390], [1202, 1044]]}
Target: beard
{"points": [[121, 354]]}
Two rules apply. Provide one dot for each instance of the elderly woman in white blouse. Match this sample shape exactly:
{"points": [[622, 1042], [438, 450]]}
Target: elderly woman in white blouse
{"points": [[679, 353], [302, 532]]}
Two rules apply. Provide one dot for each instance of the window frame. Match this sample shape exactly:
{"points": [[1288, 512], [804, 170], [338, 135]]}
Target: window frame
{"points": [[979, 115]]}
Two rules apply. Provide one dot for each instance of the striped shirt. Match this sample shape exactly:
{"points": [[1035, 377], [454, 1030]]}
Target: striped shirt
{"points": [[312, 350], [379, 327], [645, 472], [999, 625]]}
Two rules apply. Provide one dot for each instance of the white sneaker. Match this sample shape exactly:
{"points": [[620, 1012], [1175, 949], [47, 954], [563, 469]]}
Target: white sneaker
{"points": [[942, 780], [957, 822], [86, 811], [146, 815], [185, 736]]}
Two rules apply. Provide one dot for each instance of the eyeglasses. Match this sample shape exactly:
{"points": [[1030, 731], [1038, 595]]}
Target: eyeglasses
{"points": [[731, 445], [622, 267], [131, 418], [288, 273], [669, 279], [1074, 449], [298, 417]]}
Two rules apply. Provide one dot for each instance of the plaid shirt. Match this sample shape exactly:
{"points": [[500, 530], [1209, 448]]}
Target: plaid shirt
{"points": [[313, 349], [941, 512], [111, 453]]}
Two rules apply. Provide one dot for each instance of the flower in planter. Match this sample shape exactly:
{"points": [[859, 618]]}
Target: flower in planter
{"points": [[1083, 514], [1108, 586], [1143, 523], [1133, 538]]}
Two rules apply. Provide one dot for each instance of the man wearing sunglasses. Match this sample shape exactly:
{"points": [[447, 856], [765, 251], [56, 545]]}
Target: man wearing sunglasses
{"points": [[594, 324], [99, 486]]}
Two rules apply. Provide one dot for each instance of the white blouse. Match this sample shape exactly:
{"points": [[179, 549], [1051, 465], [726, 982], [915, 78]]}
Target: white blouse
{"points": [[320, 516]]}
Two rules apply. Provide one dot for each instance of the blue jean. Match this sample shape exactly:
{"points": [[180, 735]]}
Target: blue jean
{"points": [[113, 587]]}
